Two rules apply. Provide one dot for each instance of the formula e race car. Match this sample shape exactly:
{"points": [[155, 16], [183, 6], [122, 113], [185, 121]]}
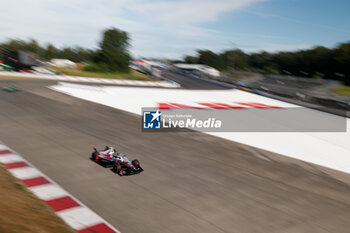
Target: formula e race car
{"points": [[122, 166], [119, 162], [104, 157]]}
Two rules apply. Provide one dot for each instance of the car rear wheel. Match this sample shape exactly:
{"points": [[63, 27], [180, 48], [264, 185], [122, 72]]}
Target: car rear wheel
{"points": [[117, 167], [136, 163]]}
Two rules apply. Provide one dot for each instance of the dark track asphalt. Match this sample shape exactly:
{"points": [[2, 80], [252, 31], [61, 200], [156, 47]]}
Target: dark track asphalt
{"points": [[188, 81], [192, 182]]}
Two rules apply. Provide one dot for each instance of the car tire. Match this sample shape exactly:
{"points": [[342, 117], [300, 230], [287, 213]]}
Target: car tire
{"points": [[136, 163], [117, 167]]}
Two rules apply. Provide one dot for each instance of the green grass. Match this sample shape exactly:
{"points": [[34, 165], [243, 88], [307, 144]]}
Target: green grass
{"points": [[21, 211], [343, 90], [132, 75]]}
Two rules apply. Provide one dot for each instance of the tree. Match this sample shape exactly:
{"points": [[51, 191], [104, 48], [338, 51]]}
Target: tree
{"points": [[191, 60], [48, 52], [210, 58], [114, 54], [115, 39], [235, 59], [342, 62], [51, 52]]}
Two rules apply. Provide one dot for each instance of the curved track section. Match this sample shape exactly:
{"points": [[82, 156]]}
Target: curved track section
{"points": [[189, 81], [192, 182]]}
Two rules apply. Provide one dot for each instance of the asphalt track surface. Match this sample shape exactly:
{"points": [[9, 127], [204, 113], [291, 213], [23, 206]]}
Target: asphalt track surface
{"points": [[189, 81], [192, 182]]}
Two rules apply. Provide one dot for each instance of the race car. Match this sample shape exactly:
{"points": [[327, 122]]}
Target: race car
{"points": [[123, 166], [105, 157]]}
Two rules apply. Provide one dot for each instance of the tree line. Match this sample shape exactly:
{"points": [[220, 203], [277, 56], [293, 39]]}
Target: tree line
{"points": [[111, 56], [49, 51], [318, 62]]}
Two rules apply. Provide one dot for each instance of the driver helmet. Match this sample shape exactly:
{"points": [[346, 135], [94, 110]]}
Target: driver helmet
{"points": [[111, 151]]}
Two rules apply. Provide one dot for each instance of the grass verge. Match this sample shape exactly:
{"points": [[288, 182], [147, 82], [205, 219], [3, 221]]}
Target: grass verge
{"points": [[343, 90], [21, 211], [133, 75]]}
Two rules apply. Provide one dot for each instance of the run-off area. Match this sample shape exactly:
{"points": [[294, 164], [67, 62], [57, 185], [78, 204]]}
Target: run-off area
{"points": [[330, 149]]}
